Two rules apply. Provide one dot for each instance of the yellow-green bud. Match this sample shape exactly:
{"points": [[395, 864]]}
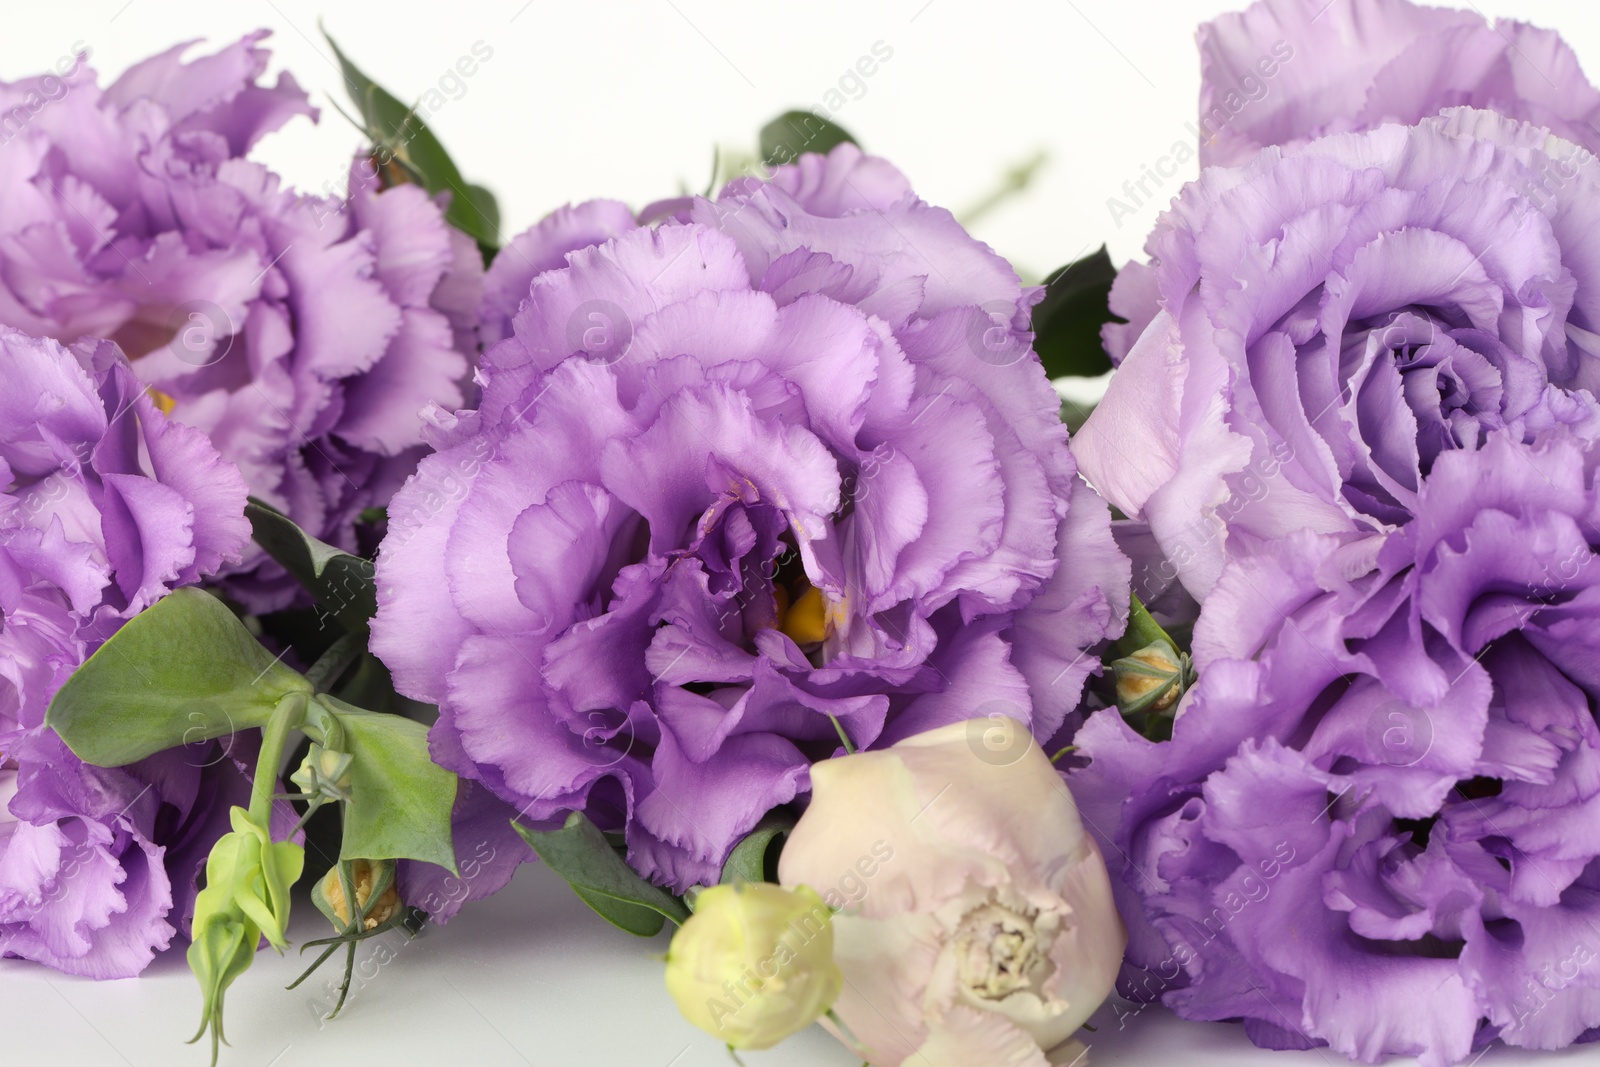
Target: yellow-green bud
{"points": [[754, 963], [246, 896], [325, 772]]}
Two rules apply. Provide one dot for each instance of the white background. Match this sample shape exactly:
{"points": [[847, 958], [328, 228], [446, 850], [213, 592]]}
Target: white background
{"points": [[587, 98], [584, 99]]}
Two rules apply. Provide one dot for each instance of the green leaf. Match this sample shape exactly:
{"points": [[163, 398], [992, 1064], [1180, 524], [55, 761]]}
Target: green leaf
{"points": [[181, 671], [341, 583], [1066, 323], [787, 137], [400, 800], [754, 859], [580, 853], [397, 130]]}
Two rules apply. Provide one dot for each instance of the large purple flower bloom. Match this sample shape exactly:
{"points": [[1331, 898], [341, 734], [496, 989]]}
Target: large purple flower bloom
{"points": [[106, 506], [1377, 824], [787, 457], [1357, 64], [1284, 72], [303, 334], [1335, 318]]}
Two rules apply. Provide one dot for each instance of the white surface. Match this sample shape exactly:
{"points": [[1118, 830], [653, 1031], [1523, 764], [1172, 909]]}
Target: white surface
{"points": [[528, 977], [586, 99], [625, 98]]}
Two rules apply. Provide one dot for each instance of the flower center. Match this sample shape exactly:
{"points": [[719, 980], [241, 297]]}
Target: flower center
{"points": [[998, 951]]}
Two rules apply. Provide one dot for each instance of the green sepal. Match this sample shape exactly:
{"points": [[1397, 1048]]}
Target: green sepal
{"points": [[793, 133], [183, 670], [342, 584], [755, 857], [1142, 629], [1066, 323], [400, 800], [580, 853], [398, 130]]}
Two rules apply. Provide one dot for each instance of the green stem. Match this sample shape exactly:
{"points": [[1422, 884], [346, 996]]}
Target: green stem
{"points": [[844, 738], [333, 663], [311, 809], [286, 718], [1014, 181]]}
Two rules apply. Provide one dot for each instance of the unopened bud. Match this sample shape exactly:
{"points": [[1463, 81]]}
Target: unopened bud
{"points": [[325, 773], [1151, 679], [377, 896], [754, 963]]}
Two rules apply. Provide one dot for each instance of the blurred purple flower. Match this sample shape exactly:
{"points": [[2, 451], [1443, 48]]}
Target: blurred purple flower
{"points": [[1335, 318], [302, 333], [1386, 780], [106, 506], [787, 456]]}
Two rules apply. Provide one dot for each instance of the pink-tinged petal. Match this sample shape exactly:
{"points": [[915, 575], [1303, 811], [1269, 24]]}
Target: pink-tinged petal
{"points": [[965, 1036], [888, 961]]}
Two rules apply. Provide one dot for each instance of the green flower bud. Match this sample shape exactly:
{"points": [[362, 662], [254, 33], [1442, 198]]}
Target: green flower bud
{"points": [[246, 897], [1151, 679], [377, 895], [324, 773], [754, 963]]}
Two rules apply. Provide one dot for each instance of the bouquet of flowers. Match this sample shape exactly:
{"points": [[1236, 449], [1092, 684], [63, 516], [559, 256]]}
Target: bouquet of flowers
{"points": [[733, 558]]}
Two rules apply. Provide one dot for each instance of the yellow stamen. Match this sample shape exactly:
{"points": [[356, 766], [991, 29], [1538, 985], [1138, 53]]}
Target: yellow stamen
{"points": [[807, 621], [162, 401]]}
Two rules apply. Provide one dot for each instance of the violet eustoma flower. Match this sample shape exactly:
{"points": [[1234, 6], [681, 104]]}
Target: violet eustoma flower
{"points": [[302, 333], [1285, 72], [782, 468], [1385, 780], [106, 506], [1358, 64], [1335, 318]]}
